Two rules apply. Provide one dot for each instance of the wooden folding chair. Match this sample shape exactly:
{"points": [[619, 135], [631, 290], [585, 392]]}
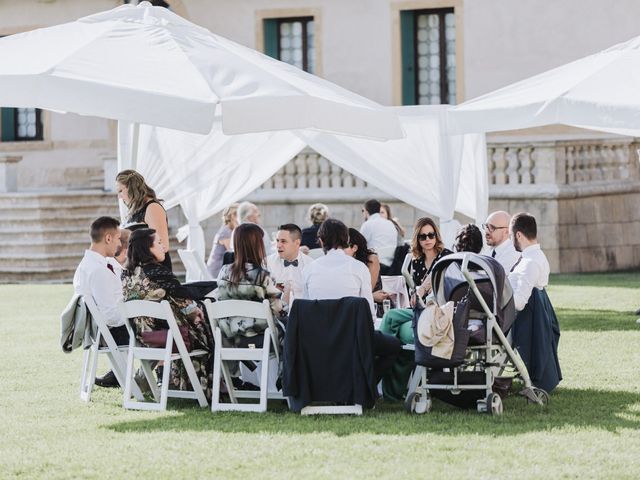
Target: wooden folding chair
{"points": [[116, 354], [196, 268], [243, 308], [146, 355]]}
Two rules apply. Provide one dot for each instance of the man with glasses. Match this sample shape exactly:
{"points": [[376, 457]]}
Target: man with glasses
{"points": [[496, 234]]}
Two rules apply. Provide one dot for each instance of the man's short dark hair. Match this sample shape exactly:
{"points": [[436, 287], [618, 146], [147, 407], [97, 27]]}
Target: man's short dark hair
{"points": [[293, 229], [525, 224], [334, 234], [372, 206], [101, 226]]}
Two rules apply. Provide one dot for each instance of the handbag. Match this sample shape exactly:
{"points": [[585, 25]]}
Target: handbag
{"points": [[158, 338]]}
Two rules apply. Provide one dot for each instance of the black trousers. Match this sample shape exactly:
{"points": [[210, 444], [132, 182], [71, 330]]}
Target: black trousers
{"points": [[120, 335], [386, 349]]}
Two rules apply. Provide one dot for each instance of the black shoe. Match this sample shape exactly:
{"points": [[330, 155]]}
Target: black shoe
{"points": [[108, 380]]}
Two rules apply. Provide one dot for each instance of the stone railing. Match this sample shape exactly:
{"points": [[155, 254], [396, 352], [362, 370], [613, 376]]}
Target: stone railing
{"points": [[576, 162]]}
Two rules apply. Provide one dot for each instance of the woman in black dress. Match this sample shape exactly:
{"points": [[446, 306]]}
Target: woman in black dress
{"points": [[145, 209]]}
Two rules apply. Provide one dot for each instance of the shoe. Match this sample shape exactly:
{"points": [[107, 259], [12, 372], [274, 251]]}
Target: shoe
{"points": [[108, 380]]}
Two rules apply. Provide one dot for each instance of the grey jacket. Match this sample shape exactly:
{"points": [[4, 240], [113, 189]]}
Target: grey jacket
{"points": [[77, 328]]}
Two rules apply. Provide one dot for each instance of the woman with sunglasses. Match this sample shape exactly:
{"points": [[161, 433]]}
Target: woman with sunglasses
{"points": [[427, 248]]}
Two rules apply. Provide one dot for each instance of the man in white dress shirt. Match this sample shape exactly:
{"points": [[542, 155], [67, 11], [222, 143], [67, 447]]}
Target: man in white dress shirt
{"points": [[97, 277], [496, 234], [379, 232], [532, 271], [287, 264], [337, 275]]}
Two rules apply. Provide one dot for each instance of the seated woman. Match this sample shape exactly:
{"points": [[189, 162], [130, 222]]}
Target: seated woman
{"points": [[359, 250], [318, 213], [247, 279], [147, 278], [426, 249], [468, 239]]}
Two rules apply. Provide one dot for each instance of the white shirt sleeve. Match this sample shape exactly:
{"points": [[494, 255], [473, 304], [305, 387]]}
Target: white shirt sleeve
{"points": [[523, 281], [366, 289], [105, 296]]}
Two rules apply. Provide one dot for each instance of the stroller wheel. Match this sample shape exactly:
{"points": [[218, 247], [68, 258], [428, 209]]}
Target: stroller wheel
{"points": [[417, 403], [494, 404], [541, 395]]}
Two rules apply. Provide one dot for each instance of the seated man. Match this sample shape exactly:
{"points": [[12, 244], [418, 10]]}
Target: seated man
{"points": [[532, 270], [96, 277], [496, 232], [287, 264], [120, 256], [536, 331], [338, 275]]}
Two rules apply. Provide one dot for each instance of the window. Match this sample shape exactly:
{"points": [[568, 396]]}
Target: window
{"points": [[428, 56], [292, 41]]}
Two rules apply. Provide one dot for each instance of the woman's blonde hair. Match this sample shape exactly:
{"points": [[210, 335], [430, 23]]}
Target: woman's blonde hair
{"points": [[416, 250], [318, 213], [137, 189], [229, 213]]}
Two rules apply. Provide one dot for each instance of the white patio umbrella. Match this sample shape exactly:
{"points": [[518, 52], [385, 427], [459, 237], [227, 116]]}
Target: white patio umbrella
{"points": [[598, 92], [145, 64]]}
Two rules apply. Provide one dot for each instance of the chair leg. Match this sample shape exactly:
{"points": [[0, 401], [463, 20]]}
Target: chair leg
{"points": [[126, 395], [264, 378], [85, 384]]}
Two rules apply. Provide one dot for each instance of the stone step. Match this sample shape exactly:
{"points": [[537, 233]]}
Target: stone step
{"points": [[30, 247], [56, 199], [46, 223], [27, 211], [38, 234]]}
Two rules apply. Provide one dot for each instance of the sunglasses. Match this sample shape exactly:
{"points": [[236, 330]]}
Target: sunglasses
{"points": [[491, 228], [423, 236]]}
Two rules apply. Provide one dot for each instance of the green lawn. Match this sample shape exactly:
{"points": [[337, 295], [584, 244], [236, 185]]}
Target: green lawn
{"points": [[591, 428]]}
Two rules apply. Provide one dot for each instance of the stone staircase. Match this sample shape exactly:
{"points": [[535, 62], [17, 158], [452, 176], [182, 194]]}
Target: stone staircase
{"points": [[44, 235]]}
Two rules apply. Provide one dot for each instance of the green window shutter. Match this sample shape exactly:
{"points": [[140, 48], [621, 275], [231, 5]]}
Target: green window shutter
{"points": [[8, 122], [407, 37], [270, 27]]}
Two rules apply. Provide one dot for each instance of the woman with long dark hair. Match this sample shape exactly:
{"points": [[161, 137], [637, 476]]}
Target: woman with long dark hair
{"points": [[247, 279], [146, 278], [145, 208], [427, 248]]}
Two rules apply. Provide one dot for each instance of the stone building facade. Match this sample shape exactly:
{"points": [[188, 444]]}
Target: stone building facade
{"points": [[584, 187]]}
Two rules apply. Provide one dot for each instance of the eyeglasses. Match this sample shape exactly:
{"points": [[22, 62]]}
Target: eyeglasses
{"points": [[491, 228], [423, 236]]}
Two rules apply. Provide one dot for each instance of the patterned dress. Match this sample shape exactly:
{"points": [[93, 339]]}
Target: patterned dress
{"points": [[155, 282], [256, 286]]}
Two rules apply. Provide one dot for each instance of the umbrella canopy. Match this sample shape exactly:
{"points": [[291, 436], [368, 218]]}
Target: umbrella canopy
{"points": [[145, 64], [599, 92]]}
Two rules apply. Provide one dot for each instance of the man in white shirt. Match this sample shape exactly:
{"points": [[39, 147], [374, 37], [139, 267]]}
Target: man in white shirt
{"points": [[379, 232], [249, 213], [337, 275], [287, 264], [496, 234], [532, 271], [96, 277]]}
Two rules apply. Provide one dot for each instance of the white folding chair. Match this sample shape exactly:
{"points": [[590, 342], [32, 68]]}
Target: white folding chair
{"points": [[161, 311], [196, 268], [315, 253], [116, 354], [244, 308], [396, 285]]}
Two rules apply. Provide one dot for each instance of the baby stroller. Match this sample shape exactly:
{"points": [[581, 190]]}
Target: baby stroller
{"points": [[479, 289]]}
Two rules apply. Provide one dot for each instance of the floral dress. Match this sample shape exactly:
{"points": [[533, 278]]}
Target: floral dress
{"points": [[155, 282]]}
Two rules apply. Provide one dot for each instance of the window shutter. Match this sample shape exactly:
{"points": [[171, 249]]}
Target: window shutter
{"points": [[407, 33], [8, 122], [270, 27]]}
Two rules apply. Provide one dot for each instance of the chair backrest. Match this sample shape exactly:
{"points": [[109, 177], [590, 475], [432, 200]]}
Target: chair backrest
{"points": [[196, 268], [242, 308], [100, 322], [406, 272], [316, 253]]}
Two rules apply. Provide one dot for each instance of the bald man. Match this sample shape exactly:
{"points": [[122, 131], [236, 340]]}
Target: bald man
{"points": [[496, 233]]}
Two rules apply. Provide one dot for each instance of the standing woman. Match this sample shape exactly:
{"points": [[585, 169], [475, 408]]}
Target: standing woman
{"points": [[144, 206], [222, 240], [427, 248], [385, 212]]}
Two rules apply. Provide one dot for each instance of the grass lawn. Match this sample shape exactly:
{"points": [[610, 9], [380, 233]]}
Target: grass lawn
{"points": [[591, 429]]}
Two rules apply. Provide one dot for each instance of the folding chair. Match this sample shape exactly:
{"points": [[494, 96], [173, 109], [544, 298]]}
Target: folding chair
{"points": [[196, 268], [115, 353], [244, 308], [161, 311], [397, 287]]}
